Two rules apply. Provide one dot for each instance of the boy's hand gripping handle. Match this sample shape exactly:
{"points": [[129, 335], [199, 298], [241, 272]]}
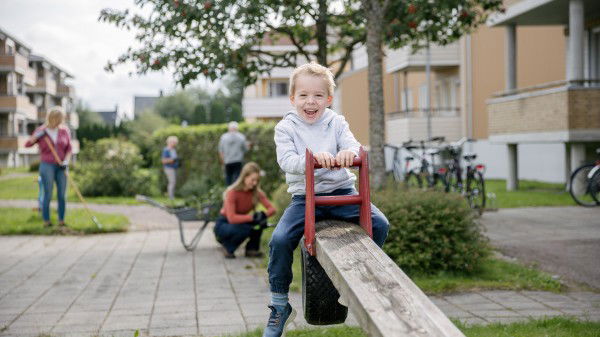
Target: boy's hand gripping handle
{"points": [[363, 199]]}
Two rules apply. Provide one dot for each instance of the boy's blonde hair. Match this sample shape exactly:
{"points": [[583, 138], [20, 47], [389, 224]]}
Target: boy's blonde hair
{"points": [[313, 69]]}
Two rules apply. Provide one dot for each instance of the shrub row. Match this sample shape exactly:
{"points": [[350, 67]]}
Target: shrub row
{"points": [[111, 167], [198, 148]]}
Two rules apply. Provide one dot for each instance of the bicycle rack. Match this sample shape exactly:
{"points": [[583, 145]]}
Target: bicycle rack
{"points": [[363, 198]]}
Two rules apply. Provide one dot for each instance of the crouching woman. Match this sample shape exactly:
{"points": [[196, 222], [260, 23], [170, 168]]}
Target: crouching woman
{"points": [[239, 218]]}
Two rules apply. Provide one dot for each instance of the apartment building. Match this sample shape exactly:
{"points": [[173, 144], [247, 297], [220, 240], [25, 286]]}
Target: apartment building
{"points": [[522, 129], [268, 98], [29, 86]]}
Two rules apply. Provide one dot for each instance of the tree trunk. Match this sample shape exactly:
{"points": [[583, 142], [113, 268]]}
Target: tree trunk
{"points": [[374, 13], [321, 33]]}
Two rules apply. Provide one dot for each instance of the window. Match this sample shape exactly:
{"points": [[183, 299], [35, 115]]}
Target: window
{"points": [[278, 88], [4, 125]]}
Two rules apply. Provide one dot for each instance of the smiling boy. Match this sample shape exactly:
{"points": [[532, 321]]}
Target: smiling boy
{"points": [[311, 124]]}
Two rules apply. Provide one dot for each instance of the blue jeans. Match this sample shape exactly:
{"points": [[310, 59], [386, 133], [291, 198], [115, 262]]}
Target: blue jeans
{"points": [[51, 173], [231, 236], [290, 230]]}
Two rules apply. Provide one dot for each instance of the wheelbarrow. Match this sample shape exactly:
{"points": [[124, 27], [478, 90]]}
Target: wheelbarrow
{"points": [[205, 214], [320, 298]]}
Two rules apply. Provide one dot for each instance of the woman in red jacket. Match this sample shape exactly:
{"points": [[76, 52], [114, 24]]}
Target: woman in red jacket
{"points": [[50, 169], [239, 219]]}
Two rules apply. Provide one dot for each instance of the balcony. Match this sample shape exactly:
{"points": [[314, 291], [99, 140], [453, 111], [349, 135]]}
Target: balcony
{"points": [[64, 90], [402, 126], [553, 112], [18, 104], [267, 107], [403, 59], [17, 143], [44, 86], [14, 62]]}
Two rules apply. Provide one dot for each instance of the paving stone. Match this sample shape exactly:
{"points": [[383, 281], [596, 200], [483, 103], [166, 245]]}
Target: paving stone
{"points": [[506, 320], [221, 330], [472, 321], [230, 317], [174, 331], [539, 313], [469, 298]]}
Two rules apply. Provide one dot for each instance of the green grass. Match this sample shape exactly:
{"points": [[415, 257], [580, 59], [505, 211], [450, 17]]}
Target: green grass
{"points": [[9, 170], [26, 221], [335, 331], [530, 194], [493, 273], [27, 188], [550, 327]]}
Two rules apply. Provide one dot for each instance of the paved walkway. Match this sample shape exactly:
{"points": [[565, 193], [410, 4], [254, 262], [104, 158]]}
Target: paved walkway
{"points": [[113, 284], [560, 240]]}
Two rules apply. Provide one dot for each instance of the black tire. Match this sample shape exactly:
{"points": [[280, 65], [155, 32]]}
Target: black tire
{"points": [[452, 184], [476, 192], [439, 183], [319, 296], [580, 187], [595, 187], [412, 180]]}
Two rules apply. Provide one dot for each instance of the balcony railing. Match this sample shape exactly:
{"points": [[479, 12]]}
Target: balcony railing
{"points": [[14, 62], [422, 113], [64, 90], [555, 111], [267, 107], [441, 56], [19, 104], [44, 85]]}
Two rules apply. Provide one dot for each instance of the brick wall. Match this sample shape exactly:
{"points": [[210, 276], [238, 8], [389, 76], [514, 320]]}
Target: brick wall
{"points": [[556, 111]]}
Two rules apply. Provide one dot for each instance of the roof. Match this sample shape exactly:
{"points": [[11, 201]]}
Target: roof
{"points": [[12, 37], [39, 58], [542, 12]]}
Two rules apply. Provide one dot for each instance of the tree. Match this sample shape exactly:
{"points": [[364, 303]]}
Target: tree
{"points": [[87, 116], [218, 37], [417, 23], [214, 38]]}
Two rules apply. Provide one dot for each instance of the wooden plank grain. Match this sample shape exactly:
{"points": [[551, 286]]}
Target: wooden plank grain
{"points": [[384, 300]]}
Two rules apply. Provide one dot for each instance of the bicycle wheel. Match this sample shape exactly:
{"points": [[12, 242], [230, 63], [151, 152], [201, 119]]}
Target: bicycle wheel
{"points": [[595, 187], [439, 183], [580, 187], [412, 180], [452, 182], [476, 192]]}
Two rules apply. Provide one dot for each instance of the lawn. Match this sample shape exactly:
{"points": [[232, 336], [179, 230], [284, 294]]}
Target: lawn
{"points": [[25, 221], [551, 327], [530, 194], [493, 273], [27, 188], [9, 170]]}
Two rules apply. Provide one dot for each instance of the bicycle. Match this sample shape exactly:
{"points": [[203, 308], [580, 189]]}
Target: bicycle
{"points": [[474, 187], [584, 184], [427, 174]]}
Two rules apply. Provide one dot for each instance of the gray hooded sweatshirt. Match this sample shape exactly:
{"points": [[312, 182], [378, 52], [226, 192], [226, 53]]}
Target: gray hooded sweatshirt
{"points": [[330, 133]]}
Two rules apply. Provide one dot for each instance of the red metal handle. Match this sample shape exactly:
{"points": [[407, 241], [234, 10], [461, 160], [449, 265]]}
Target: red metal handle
{"points": [[363, 198]]}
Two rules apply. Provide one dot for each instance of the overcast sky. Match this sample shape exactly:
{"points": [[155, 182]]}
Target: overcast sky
{"points": [[68, 33]]}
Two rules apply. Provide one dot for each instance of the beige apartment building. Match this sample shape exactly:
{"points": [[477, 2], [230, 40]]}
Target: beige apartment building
{"points": [[29, 86], [508, 85]]}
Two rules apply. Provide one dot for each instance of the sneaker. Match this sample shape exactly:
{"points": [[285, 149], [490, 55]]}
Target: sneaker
{"points": [[254, 253], [278, 320]]}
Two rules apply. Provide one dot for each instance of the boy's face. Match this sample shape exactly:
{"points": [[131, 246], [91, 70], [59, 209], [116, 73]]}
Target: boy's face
{"points": [[310, 97]]}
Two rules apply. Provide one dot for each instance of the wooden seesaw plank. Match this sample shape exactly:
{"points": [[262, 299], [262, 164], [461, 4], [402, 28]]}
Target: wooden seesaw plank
{"points": [[384, 300]]}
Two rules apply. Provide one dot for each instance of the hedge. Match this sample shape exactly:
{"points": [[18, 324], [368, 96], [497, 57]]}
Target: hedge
{"points": [[198, 148]]}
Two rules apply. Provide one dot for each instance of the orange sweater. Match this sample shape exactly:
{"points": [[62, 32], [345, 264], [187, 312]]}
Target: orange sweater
{"points": [[238, 204]]}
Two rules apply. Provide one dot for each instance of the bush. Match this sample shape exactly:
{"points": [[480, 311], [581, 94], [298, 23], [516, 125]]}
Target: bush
{"points": [[111, 167], [430, 231], [281, 199], [198, 147], [34, 167]]}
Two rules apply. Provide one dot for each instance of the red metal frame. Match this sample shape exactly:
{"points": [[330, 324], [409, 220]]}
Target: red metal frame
{"points": [[363, 198]]}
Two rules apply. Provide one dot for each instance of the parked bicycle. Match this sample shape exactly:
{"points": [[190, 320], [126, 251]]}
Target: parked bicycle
{"points": [[584, 185], [426, 174], [473, 186]]}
